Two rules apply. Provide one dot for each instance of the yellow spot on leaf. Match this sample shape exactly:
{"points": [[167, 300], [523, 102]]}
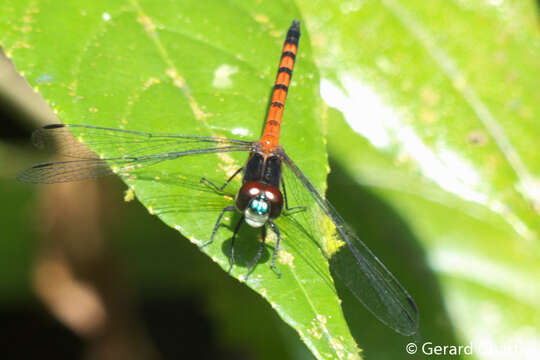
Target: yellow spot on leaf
{"points": [[261, 18], [146, 23], [331, 243], [222, 76], [150, 82], [286, 258], [430, 96], [427, 116], [129, 195]]}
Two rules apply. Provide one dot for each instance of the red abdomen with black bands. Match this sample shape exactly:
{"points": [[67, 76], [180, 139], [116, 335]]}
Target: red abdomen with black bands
{"points": [[270, 136]]}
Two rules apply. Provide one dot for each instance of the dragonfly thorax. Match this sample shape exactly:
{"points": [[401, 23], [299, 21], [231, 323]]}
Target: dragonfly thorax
{"points": [[259, 202]]}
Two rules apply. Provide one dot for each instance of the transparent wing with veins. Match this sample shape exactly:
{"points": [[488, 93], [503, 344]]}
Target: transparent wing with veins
{"points": [[123, 151], [363, 273]]}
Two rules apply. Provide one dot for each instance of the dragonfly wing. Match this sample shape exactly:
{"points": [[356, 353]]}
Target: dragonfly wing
{"points": [[65, 171], [123, 151], [363, 273]]}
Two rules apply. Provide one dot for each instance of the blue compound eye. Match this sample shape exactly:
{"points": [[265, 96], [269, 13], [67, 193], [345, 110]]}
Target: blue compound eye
{"points": [[259, 206]]}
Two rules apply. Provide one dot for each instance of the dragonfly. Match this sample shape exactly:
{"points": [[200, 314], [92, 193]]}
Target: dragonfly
{"points": [[261, 199]]}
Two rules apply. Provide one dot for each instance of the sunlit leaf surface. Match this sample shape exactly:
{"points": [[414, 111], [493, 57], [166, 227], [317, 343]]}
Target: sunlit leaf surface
{"points": [[441, 100]]}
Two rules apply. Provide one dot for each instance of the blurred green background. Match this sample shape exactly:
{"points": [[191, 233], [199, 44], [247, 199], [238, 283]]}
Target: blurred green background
{"points": [[432, 135]]}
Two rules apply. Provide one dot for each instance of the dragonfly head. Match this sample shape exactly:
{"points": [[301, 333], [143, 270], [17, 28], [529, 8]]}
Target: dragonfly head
{"points": [[259, 203]]}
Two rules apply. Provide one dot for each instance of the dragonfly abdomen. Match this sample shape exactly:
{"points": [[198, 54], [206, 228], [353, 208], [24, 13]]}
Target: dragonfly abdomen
{"points": [[270, 137]]}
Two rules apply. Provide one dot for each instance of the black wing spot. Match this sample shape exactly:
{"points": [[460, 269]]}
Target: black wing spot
{"points": [[54, 126], [42, 165]]}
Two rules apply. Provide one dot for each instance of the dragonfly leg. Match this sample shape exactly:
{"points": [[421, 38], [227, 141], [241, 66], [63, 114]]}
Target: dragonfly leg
{"points": [[220, 188], [293, 209], [259, 253], [236, 229], [218, 222], [276, 248]]}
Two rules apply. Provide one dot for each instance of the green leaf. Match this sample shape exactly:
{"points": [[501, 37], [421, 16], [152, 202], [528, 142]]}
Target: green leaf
{"points": [[442, 98], [190, 67]]}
